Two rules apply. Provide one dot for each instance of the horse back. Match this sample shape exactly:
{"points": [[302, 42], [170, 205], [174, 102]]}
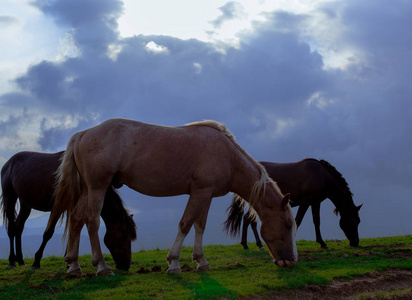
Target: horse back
{"points": [[152, 159], [305, 177], [30, 176]]}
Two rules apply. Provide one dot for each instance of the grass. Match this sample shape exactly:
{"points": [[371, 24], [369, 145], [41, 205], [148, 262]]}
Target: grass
{"points": [[234, 273]]}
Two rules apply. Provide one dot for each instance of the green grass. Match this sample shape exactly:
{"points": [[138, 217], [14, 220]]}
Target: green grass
{"points": [[235, 272]]}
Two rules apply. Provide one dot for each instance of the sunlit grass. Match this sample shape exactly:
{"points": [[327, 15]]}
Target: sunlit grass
{"points": [[235, 272]]}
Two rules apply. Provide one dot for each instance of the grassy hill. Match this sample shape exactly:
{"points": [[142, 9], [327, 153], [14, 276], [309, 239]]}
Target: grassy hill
{"points": [[381, 267]]}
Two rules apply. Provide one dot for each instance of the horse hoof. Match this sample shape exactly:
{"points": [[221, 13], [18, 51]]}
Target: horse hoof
{"points": [[174, 271], [34, 268], [203, 268], [105, 272], [75, 273], [261, 248]]}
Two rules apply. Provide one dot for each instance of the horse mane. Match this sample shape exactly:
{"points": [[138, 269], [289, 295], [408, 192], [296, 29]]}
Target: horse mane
{"points": [[342, 181], [337, 175], [259, 187], [216, 125], [236, 210]]}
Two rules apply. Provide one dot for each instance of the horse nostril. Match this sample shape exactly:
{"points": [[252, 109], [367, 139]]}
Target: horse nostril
{"points": [[123, 267]]}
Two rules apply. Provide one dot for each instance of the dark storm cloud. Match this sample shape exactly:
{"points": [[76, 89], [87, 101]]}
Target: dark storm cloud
{"points": [[94, 21], [273, 92]]}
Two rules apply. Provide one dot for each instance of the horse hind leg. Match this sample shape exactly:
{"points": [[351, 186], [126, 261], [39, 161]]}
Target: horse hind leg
{"points": [[9, 202], [46, 237], [246, 223], [200, 224], [76, 223], [95, 201], [316, 222], [21, 220], [253, 224]]}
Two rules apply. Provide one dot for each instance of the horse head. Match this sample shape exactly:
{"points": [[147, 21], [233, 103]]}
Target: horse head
{"points": [[349, 223], [118, 239], [120, 229], [278, 227]]}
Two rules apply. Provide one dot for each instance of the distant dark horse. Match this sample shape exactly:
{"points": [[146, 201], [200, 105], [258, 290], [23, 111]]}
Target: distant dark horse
{"points": [[29, 176], [309, 181]]}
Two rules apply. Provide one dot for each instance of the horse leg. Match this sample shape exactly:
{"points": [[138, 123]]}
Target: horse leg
{"points": [[246, 222], [316, 221], [253, 224], [21, 220], [48, 233], [76, 223], [189, 216], [200, 224], [95, 201], [9, 201], [303, 207]]}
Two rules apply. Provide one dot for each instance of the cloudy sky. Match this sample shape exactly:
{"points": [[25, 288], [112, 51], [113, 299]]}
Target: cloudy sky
{"points": [[291, 79]]}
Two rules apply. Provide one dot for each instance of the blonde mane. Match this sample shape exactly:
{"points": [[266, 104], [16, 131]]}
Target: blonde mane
{"points": [[216, 125], [259, 187]]}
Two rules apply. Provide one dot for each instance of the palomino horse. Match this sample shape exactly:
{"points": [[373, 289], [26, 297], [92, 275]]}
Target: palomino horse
{"points": [[309, 182], [201, 159], [29, 176]]}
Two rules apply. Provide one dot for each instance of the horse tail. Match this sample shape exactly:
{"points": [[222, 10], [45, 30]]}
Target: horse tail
{"points": [[7, 204], [67, 191], [235, 214]]}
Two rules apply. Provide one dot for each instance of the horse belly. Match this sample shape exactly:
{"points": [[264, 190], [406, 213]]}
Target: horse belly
{"points": [[158, 183]]}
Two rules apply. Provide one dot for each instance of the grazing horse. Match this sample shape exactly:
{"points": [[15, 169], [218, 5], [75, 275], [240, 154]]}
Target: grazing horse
{"points": [[30, 177], [201, 159], [309, 182]]}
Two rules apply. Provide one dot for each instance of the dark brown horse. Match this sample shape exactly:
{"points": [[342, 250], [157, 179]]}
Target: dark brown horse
{"points": [[29, 176], [201, 159], [309, 182]]}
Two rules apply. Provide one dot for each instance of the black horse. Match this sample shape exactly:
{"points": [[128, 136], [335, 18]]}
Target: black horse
{"points": [[309, 182], [29, 176]]}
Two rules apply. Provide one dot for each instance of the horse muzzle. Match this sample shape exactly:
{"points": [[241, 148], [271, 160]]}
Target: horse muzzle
{"points": [[285, 262], [123, 266]]}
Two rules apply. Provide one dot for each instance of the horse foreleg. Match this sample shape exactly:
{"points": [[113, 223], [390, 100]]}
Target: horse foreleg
{"points": [[21, 220], [303, 207], [95, 204], [316, 221], [191, 213], [46, 237]]}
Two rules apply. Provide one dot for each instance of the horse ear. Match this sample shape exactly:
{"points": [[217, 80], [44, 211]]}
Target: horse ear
{"points": [[285, 200], [359, 207]]}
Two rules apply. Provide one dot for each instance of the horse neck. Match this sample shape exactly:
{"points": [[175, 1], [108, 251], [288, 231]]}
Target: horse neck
{"points": [[113, 210], [343, 203]]}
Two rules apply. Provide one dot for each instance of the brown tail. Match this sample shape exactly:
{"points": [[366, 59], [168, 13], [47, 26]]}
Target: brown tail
{"points": [[67, 191], [235, 215]]}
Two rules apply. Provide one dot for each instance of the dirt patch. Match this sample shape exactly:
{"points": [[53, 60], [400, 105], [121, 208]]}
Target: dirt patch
{"points": [[386, 281], [386, 254], [143, 270]]}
